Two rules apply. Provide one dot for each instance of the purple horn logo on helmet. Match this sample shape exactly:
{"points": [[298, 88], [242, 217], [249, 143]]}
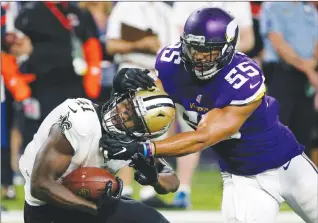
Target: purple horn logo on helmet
{"points": [[208, 41]]}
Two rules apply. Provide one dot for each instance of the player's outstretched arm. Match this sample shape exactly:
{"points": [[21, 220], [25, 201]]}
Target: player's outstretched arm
{"points": [[51, 162], [215, 126]]}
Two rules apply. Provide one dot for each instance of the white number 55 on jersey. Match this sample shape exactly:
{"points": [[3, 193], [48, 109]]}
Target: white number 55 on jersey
{"points": [[238, 79]]}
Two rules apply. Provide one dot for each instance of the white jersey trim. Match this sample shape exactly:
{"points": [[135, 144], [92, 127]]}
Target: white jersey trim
{"points": [[261, 90]]}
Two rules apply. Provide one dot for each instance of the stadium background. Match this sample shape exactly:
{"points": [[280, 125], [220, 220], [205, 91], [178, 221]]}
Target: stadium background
{"points": [[206, 184]]}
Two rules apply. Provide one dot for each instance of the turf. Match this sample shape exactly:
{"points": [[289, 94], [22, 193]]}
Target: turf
{"points": [[206, 193]]}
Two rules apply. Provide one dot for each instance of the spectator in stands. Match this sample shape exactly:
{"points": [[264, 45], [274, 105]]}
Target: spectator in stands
{"points": [[270, 57], [136, 31], [64, 49], [257, 51], [14, 86], [100, 12], [243, 15], [290, 28]]}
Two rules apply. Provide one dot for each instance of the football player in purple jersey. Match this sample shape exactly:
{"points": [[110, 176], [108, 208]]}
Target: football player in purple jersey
{"points": [[221, 94]]}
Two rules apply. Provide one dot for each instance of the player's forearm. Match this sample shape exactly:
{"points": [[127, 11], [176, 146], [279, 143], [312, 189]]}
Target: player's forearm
{"points": [[180, 144], [167, 183], [54, 193], [208, 133]]}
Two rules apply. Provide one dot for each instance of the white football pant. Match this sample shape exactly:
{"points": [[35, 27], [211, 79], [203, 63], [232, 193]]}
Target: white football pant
{"points": [[256, 199]]}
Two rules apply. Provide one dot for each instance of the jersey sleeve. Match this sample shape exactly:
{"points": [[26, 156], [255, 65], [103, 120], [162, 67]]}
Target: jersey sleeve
{"points": [[250, 86], [160, 65], [168, 63], [77, 123], [168, 58]]}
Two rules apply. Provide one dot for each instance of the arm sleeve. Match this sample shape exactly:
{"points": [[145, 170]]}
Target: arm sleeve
{"points": [[253, 89], [244, 98], [77, 127], [67, 124]]}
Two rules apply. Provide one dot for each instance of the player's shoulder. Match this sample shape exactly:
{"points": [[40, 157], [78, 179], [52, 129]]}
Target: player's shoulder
{"points": [[242, 65], [168, 62], [243, 79], [80, 115], [169, 57]]}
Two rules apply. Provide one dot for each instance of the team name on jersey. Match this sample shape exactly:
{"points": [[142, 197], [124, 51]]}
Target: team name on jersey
{"points": [[198, 108]]}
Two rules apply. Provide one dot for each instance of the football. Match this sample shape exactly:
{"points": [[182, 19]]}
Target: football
{"points": [[89, 182]]}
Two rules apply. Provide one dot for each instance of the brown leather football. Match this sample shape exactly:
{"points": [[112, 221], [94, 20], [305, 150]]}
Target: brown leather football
{"points": [[89, 182]]}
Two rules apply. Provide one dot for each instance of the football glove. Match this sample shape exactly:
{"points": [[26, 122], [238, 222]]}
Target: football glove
{"points": [[131, 79], [107, 203], [146, 170], [123, 147]]}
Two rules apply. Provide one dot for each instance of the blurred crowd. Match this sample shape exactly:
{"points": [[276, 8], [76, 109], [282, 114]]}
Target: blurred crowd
{"points": [[51, 51]]}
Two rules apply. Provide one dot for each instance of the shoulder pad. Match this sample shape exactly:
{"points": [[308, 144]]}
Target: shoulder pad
{"points": [[168, 57], [246, 80], [81, 116]]}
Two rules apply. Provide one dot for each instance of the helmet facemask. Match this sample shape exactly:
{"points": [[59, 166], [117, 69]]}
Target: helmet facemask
{"points": [[128, 114], [121, 116]]}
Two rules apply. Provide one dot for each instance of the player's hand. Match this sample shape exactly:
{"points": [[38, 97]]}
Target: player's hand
{"points": [[132, 78], [123, 148], [146, 170], [107, 203]]}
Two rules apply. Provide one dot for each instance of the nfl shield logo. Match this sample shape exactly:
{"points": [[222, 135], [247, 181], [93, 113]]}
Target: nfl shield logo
{"points": [[199, 97]]}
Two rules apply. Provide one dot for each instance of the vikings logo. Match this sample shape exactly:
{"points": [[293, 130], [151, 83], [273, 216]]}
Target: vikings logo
{"points": [[230, 31], [64, 123]]}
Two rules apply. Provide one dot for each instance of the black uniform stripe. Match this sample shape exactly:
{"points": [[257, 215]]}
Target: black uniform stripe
{"points": [[160, 105], [155, 97]]}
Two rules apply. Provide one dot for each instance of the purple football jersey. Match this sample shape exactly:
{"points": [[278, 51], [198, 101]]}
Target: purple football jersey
{"points": [[262, 142]]}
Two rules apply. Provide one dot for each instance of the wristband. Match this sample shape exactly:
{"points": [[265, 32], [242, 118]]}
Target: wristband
{"points": [[147, 149]]}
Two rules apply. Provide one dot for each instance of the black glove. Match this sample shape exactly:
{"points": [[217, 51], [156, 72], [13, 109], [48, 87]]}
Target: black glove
{"points": [[124, 147], [146, 170], [107, 203], [132, 78]]}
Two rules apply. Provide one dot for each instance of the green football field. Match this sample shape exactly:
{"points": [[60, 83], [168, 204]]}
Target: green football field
{"points": [[206, 193]]}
